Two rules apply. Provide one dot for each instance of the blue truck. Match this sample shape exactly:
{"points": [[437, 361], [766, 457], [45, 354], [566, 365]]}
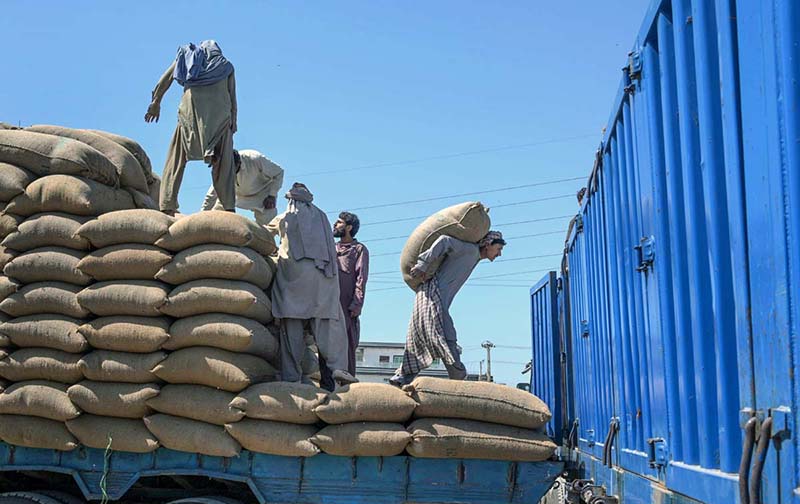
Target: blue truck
{"points": [[667, 344]]}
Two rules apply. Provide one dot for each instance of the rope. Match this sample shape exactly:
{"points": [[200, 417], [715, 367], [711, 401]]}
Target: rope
{"points": [[104, 477]]}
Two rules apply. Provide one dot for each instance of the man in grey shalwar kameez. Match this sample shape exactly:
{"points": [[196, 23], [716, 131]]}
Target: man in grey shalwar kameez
{"points": [[431, 332], [206, 121], [305, 293]]}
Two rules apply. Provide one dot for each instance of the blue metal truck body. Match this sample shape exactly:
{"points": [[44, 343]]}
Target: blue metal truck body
{"points": [[275, 479], [678, 302]]}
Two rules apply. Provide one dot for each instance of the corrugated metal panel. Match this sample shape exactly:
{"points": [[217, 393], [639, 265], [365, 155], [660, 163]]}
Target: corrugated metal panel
{"points": [[546, 377], [682, 278]]}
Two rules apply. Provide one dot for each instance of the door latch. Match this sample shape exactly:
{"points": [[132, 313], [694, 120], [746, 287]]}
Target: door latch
{"points": [[656, 452], [647, 253]]}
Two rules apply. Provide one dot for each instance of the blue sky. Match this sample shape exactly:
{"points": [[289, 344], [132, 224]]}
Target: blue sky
{"points": [[400, 100]]}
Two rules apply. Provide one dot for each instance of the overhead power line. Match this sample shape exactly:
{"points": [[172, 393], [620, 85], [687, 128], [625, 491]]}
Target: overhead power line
{"points": [[508, 239], [446, 156]]}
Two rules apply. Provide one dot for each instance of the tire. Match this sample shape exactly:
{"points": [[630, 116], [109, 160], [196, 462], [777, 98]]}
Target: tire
{"points": [[212, 499], [63, 498], [26, 498]]}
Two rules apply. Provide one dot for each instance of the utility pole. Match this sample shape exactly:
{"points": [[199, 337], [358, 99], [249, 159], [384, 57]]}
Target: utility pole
{"points": [[488, 345], [480, 373]]}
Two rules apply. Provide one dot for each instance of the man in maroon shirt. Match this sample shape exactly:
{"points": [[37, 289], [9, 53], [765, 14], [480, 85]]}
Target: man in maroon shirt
{"points": [[353, 268]]}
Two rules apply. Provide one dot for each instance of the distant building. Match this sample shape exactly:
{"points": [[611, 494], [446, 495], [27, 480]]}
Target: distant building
{"points": [[376, 362]]}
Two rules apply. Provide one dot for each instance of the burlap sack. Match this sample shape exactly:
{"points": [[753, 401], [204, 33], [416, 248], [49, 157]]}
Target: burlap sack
{"points": [[123, 434], [75, 195], [41, 364], [196, 402], [9, 223], [212, 295], [126, 333], [468, 439], [121, 367], [363, 439], [228, 332], [48, 230], [484, 401], [128, 168], [124, 400], [134, 148], [217, 226], [38, 398], [35, 432], [155, 187], [126, 226], [47, 331], [124, 297], [13, 181], [49, 154], [366, 402], [214, 368], [280, 402], [192, 436], [8, 286], [217, 261], [6, 255], [48, 264], [127, 261], [142, 200], [45, 297], [274, 438], [466, 221]]}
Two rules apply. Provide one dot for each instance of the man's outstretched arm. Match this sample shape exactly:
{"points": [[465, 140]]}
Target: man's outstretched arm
{"points": [[154, 110]]}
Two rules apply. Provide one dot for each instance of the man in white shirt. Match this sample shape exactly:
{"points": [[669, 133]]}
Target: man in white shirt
{"points": [[258, 181]]}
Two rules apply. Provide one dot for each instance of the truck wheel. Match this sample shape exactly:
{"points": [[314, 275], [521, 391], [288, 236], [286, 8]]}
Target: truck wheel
{"points": [[204, 500], [62, 498], [26, 498]]}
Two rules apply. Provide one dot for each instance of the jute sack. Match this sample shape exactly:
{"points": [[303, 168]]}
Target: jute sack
{"points": [[196, 402], [274, 438], [54, 264], [126, 333], [142, 200], [212, 295], [466, 221], [363, 439], [41, 364], [281, 402], [9, 222], [45, 297], [38, 398], [155, 188], [13, 181], [484, 401], [366, 402], [121, 367], [214, 368], [128, 168], [217, 226], [134, 148], [126, 226], [124, 297], [127, 261], [75, 195], [49, 154], [8, 286], [53, 229], [124, 434], [228, 332], [468, 439], [217, 261], [35, 432], [192, 436], [46, 331], [124, 400], [6, 255]]}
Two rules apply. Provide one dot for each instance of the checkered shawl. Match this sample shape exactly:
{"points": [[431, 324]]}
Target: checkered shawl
{"points": [[425, 339]]}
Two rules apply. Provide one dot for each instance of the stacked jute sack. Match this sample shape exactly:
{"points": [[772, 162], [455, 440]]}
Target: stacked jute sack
{"points": [[52, 181]]}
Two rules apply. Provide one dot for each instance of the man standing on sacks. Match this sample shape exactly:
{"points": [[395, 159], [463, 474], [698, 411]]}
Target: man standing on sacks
{"points": [[431, 332], [305, 292], [258, 181], [206, 121]]}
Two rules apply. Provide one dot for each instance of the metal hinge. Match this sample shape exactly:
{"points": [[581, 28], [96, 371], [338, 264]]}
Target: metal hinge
{"points": [[647, 253], [634, 65], [578, 223], [585, 328], [657, 452]]}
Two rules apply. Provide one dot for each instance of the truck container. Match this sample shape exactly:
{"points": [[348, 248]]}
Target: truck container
{"points": [[667, 345]]}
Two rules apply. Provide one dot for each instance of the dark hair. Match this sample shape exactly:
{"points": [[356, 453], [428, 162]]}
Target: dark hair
{"points": [[498, 240], [351, 219], [581, 194], [237, 159]]}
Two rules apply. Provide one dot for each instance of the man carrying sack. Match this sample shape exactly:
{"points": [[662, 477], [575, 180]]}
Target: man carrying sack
{"points": [[305, 293], [431, 333], [206, 121], [258, 181]]}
